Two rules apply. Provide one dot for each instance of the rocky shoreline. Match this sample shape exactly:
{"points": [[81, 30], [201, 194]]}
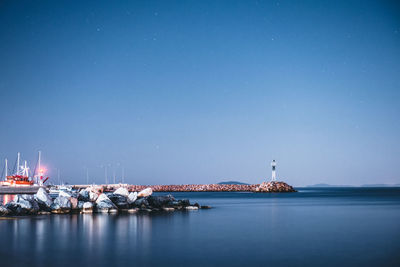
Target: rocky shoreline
{"points": [[94, 200]]}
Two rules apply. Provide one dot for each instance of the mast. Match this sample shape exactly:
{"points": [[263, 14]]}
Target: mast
{"points": [[18, 157], [25, 170], [5, 171], [113, 174], [39, 156], [105, 174]]}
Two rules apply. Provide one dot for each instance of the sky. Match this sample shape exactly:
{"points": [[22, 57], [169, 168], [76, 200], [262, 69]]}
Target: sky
{"points": [[179, 92]]}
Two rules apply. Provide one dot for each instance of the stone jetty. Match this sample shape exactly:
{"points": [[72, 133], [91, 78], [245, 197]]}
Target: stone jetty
{"points": [[266, 187], [94, 199]]}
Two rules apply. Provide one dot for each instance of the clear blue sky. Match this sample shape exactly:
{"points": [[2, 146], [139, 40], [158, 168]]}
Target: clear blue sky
{"points": [[203, 91]]}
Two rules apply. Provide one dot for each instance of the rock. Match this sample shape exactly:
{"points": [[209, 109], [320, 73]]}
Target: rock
{"points": [[4, 211], [141, 203], [120, 201], [94, 192], [43, 199], [146, 192], [104, 204], [132, 210], [64, 194], [122, 191], [93, 196], [61, 204], [84, 195], [23, 205], [160, 201], [205, 207], [42, 212], [184, 202], [191, 208], [80, 204], [168, 209], [87, 207], [74, 203], [132, 197]]}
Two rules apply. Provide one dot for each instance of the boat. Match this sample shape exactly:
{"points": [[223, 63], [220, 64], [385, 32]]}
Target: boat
{"points": [[55, 191], [21, 176]]}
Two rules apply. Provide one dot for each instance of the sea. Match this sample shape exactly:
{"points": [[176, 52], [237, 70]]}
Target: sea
{"points": [[313, 227]]}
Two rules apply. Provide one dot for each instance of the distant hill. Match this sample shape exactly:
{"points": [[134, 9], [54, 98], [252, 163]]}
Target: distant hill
{"points": [[232, 182]]}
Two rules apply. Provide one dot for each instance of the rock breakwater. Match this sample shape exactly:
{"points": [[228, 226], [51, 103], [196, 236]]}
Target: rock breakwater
{"points": [[94, 199], [266, 187]]}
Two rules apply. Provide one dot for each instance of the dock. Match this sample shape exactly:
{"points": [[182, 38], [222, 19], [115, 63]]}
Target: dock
{"points": [[19, 189]]}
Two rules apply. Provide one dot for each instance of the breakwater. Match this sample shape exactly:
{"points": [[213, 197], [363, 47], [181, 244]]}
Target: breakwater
{"points": [[94, 199], [266, 187]]}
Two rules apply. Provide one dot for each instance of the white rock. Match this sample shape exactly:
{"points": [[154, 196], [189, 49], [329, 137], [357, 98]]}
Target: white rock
{"points": [[122, 191], [43, 197], [191, 208], [102, 197], [93, 196], [146, 192], [64, 194], [132, 197], [87, 207]]}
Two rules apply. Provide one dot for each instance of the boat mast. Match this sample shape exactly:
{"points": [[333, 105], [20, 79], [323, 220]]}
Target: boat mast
{"points": [[25, 170], [18, 156], [5, 171]]}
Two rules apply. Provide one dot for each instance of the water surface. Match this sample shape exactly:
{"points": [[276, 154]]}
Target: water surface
{"points": [[316, 226]]}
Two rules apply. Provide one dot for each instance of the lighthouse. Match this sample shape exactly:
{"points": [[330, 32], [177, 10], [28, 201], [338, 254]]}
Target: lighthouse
{"points": [[273, 165]]}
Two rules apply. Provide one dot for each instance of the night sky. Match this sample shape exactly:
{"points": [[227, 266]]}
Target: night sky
{"points": [[203, 91]]}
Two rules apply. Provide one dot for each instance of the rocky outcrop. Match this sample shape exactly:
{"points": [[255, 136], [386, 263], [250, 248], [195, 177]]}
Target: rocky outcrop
{"points": [[274, 187]]}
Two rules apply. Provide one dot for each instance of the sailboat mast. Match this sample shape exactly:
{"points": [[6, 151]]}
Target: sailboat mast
{"points": [[5, 171], [18, 156]]}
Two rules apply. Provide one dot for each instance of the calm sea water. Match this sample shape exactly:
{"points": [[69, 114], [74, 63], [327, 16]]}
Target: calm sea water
{"points": [[316, 226]]}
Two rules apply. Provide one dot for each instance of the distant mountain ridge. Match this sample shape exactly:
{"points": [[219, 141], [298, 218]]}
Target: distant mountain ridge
{"points": [[232, 182]]}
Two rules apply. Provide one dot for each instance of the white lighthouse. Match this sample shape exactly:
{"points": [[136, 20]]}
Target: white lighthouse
{"points": [[273, 165]]}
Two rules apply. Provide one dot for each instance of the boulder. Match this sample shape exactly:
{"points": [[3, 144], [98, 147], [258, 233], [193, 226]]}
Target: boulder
{"points": [[122, 191], [93, 196], [104, 204], [43, 199], [146, 192], [132, 197], [74, 203], [84, 195], [160, 201], [120, 201], [4, 211], [141, 203], [22, 205], [64, 194], [87, 207], [80, 204], [61, 204], [191, 208]]}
